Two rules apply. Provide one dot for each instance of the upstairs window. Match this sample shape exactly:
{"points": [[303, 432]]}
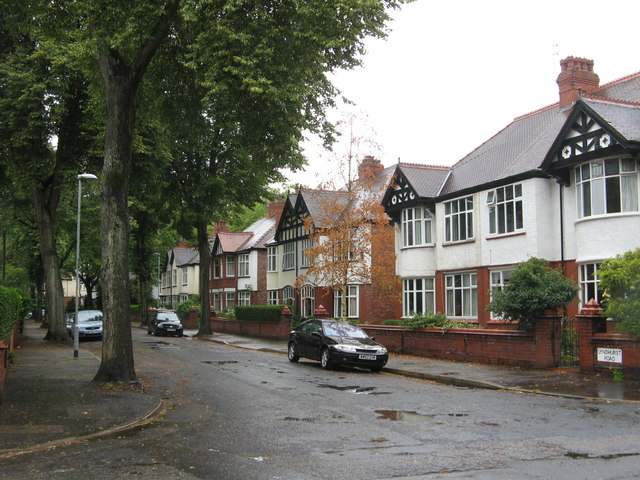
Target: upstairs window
{"points": [[185, 276], [505, 209], [231, 266], [217, 267], [243, 265], [307, 243], [272, 259], [416, 227], [289, 256], [458, 220], [606, 187]]}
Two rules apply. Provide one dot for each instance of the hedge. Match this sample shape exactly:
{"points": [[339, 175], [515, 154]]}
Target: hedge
{"points": [[10, 310], [259, 313]]}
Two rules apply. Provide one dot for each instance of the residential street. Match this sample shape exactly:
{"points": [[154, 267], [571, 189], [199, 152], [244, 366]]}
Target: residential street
{"points": [[241, 414]]}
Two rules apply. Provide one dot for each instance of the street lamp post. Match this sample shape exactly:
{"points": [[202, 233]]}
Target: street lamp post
{"points": [[76, 333]]}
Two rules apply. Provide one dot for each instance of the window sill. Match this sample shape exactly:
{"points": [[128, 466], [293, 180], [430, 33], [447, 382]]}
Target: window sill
{"points": [[607, 215], [412, 247], [505, 235], [462, 242]]}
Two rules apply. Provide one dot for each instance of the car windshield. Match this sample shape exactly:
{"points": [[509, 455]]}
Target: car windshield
{"points": [[343, 329], [172, 317], [88, 316]]}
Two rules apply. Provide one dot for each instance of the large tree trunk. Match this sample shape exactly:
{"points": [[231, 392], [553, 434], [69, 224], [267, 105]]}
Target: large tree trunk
{"points": [[54, 298], [205, 304], [117, 348], [121, 82]]}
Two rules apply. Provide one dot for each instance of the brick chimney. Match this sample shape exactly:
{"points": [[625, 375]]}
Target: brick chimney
{"points": [[274, 209], [576, 77], [369, 167], [219, 226]]}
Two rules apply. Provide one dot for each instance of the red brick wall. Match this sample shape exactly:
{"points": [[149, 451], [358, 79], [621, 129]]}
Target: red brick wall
{"points": [[540, 349]]}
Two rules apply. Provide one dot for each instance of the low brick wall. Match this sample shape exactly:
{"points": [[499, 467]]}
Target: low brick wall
{"points": [[274, 330], [595, 334], [538, 349]]}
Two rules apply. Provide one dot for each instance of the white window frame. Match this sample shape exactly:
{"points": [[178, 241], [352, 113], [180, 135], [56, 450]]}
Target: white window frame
{"points": [[594, 185], [243, 265], [229, 300], [289, 256], [230, 266], [353, 302], [306, 243], [244, 298], [498, 279], [174, 277], [505, 209], [217, 267], [461, 289], [416, 226], [458, 220], [216, 302], [418, 296], [185, 276], [307, 300], [589, 282], [273, 297], [288, 295], [272, 259]]}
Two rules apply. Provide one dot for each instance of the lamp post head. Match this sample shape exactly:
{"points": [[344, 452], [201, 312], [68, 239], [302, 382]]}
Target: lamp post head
{"points": [[87, 176]]}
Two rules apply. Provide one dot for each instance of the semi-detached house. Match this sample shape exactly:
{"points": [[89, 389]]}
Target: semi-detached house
{"points": [[560, 183]]}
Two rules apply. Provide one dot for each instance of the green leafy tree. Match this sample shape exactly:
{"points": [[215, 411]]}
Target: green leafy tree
{"points": [[620, 280], [260, 68], [532, 289]]}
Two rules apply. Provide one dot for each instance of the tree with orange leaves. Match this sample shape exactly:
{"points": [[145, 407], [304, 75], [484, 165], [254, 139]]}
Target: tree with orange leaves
{"points": [[352, 238]]}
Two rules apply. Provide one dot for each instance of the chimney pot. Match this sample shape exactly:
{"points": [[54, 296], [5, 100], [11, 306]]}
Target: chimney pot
{"points": [[576, 78]]}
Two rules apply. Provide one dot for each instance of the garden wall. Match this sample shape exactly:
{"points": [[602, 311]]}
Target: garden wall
{"points": [[602, 348], [538, 349]]}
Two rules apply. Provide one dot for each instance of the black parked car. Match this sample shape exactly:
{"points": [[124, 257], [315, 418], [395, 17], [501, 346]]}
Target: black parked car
{"points": [[336, 343], [165, 323]]}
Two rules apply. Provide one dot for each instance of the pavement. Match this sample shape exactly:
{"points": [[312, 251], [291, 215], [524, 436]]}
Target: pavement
{"points": [[51, 399]]}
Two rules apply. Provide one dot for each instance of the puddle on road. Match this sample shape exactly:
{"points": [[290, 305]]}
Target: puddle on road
{"points": [[219, 362], [410, 416], [355, 389]]}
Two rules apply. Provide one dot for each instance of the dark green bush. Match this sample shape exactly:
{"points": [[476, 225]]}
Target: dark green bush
{"points": [[10, 310], [393, 321], [532, 289], [259, 313], [182, 309], [423, 321]]}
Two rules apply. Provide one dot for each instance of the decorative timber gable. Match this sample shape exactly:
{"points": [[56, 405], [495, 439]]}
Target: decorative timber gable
{"points": [[291, 225], [399, 194], [585, 135]]}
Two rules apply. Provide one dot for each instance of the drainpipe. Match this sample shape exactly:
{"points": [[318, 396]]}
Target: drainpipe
{"points": [[562, 227]]}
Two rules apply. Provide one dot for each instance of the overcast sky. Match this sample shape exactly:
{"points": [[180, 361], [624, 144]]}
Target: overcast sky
{"points": [[452, 73]]}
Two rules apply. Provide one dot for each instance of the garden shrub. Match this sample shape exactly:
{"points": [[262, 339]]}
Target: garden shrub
{"points": [[533, 288], [183, 308], [10, 310], [259, 313], [620, 280], [393, 322]]}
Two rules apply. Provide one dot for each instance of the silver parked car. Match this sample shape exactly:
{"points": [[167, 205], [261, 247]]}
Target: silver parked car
{"points": [[89, 323]]}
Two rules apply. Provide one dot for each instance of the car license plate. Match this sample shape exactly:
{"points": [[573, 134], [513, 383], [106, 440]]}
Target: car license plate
{"points": [[367, 357], [171, 329]]}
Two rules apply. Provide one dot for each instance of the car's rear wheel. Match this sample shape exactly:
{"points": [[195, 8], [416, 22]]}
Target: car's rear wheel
{"points": [[291, 353], [325, 359]]}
